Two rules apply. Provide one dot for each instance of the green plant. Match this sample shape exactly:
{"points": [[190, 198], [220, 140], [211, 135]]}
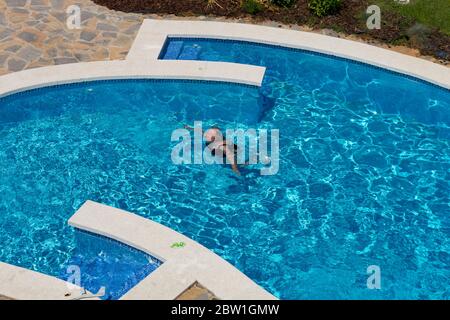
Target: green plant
{"points": [[252, 6], [284, 3], [323, 8]]}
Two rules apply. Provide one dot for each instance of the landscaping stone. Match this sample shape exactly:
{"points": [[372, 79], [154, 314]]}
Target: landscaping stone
{"points": [[2, 19], [29, 53], [13, 48], [3, 58], [65, 60], [28, 36], [106, 27], [16, 3], [5, 34], [329, 32], [87, 35], [16, 64], [109, 34], [38, 2]]}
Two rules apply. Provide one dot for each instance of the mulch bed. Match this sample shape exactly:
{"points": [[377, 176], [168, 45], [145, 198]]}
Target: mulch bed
{"points": [[350, 19]]}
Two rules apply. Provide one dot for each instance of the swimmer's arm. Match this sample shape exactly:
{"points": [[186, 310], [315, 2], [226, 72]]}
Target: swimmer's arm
{"points": [[230, 157]]}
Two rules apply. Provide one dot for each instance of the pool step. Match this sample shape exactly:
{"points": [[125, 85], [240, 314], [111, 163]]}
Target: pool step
{"points": [[173, 50], [190, 53]]}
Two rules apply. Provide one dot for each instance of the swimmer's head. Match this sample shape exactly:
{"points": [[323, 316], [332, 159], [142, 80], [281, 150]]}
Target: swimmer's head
{"points": [[213, 134]]}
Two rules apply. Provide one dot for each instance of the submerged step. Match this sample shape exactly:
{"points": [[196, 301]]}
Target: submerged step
{"points": [[173, 50], [190, 53]]}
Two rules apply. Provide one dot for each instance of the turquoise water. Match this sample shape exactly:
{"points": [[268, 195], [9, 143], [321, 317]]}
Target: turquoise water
{"points": [[364, 172]]}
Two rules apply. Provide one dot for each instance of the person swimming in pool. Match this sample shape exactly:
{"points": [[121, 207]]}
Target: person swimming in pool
{"points": [[218, 146]]}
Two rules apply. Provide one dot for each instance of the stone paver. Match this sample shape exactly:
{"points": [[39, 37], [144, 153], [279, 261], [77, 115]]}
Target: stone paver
{"points": [[33, 33], [197, 292]]}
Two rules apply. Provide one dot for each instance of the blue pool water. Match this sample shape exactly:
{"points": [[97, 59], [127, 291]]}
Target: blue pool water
{"points": [[364, 172]]}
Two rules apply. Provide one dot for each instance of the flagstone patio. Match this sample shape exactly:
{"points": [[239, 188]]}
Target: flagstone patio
{"points": [[33, 33]]}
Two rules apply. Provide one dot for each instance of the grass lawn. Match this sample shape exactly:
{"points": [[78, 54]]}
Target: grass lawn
{"points": [[432, 13]]}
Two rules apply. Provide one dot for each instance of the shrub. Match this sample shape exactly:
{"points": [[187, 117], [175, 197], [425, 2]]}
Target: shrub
{"points": [[252, 6], [284, 3], [324, 7]]}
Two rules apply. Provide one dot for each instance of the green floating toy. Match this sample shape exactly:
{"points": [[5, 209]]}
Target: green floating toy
{"points": [[178, 245]]}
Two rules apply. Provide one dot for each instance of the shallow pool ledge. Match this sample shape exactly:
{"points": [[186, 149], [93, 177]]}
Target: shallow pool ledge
{"points": [[17, 283], [184, 260]]}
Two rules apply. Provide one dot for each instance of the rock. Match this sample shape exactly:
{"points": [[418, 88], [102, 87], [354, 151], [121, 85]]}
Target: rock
{"points": [[82, 57], [109, 34], [16, 65], [16, 3], [18, 17], [86, 15], [28, 36], [61, 16], [87, 35], [58, 4], [106, 27], [3, 58], [329, 32], [29, 53], [20, 11], [133, 29], [5, 34], [64, 60], [442, 55], [2, 19], [13, 48], [39, 2], [52, 53], [32, 23]]}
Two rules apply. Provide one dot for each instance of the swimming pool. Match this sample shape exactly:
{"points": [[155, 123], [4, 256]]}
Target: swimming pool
{"points": [[364, 172]]}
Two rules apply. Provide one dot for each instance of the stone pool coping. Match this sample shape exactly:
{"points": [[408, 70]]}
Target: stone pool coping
{"points": [[17, 283], [130, 69], [153, 34], [182, 266]]}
